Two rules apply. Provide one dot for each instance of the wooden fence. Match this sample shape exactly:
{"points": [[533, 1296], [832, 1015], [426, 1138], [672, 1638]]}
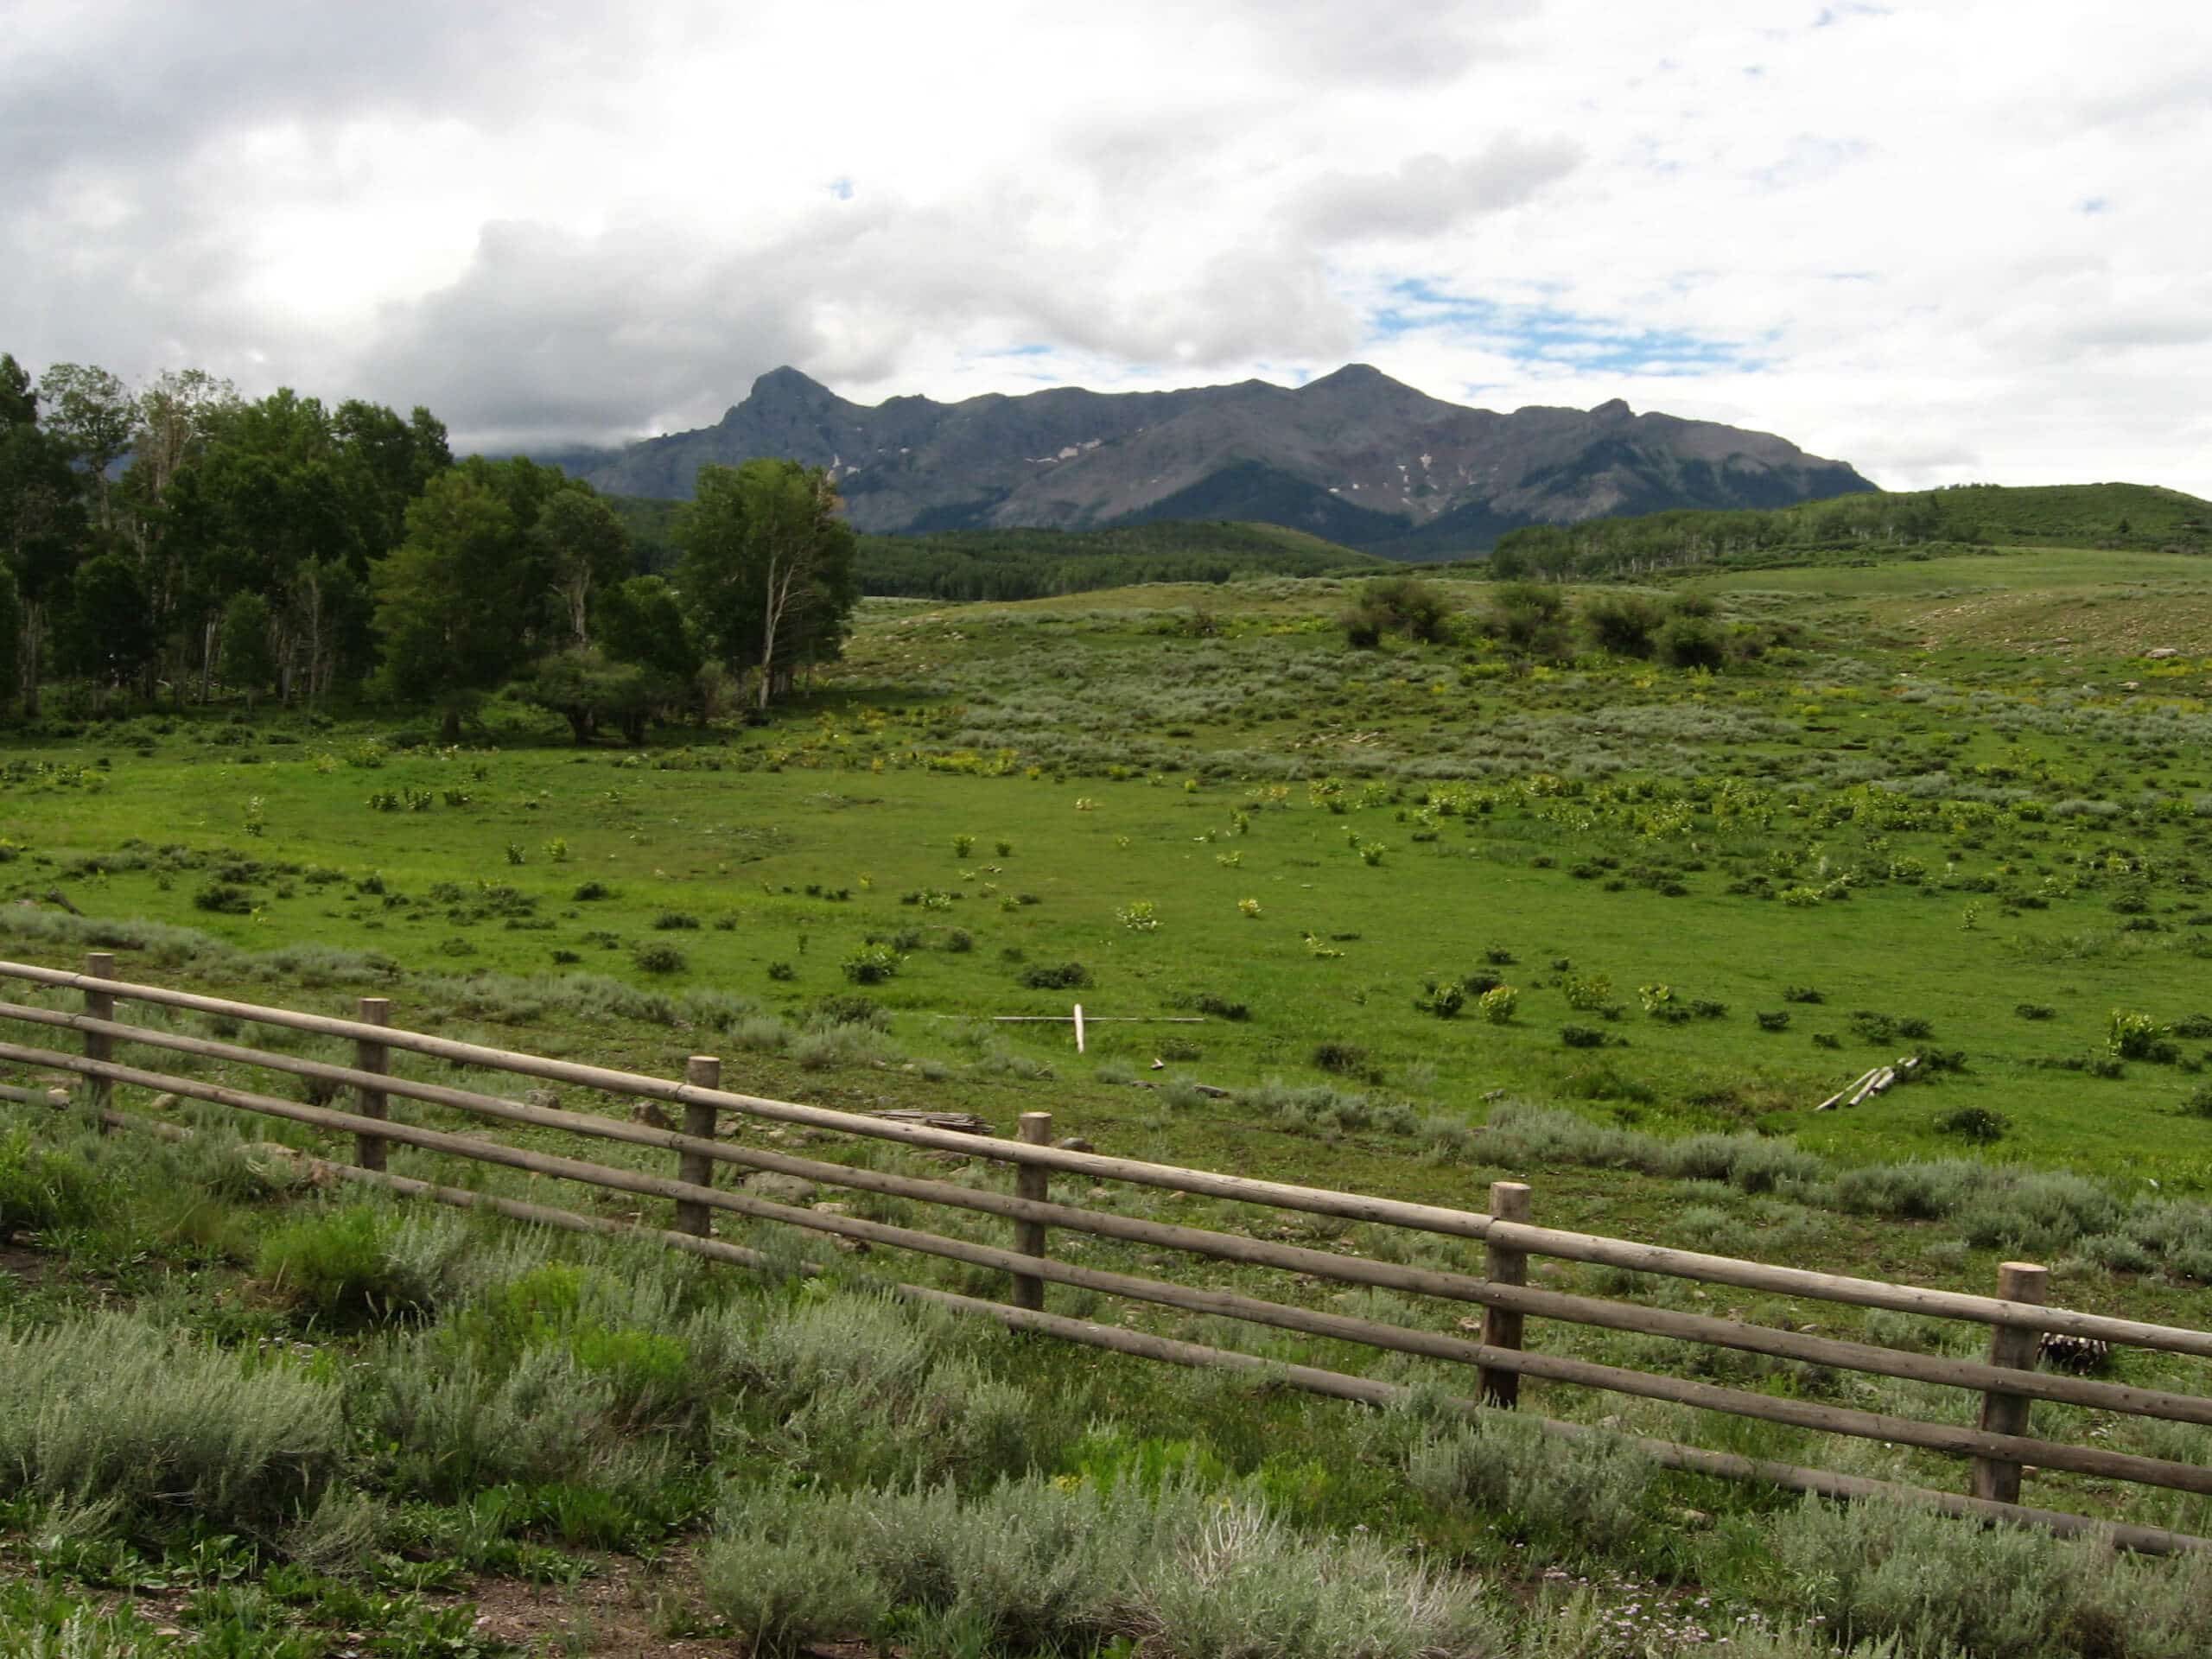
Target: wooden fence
{"points": [[1998, 1448]]}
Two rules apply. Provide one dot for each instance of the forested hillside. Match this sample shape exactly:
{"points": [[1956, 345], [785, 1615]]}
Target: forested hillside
{"points": [[1006, 564], [2137, 517]]}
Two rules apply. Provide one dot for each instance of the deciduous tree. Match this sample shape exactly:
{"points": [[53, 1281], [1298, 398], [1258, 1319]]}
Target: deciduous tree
{"points": [[767, 567]]}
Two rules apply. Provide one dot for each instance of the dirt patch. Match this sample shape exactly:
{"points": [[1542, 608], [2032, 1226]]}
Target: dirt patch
{"points": [[619, 1611], [28, 1266]]}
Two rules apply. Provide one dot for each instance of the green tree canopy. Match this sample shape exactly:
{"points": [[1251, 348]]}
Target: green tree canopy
{"points": [[42, 522], [249, 652], [451, 600], [767, 568], [586, 548]]}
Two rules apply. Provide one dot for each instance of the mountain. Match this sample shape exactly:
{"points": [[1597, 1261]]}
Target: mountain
{"points": [[1356, 457]]}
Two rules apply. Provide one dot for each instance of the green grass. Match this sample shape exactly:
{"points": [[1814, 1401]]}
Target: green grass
{"points": [[1935, 818]]}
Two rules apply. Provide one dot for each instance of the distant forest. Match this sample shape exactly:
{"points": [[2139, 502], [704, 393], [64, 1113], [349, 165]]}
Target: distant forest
{"points": [[2133, 516], [1010, 565]]}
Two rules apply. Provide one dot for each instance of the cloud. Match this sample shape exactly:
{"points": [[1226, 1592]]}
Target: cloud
{"points": [[558, 221], [1427, 195]]}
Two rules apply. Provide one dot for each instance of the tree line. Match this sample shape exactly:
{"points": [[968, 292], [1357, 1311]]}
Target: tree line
{"points": [[1966, 515], [999, 565], [177, 543]]}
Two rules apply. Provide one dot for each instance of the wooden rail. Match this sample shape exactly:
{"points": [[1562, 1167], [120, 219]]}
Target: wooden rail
{"points": [[2001, 1447]]}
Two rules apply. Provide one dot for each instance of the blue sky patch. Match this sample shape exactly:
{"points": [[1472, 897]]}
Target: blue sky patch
{"points": [[1540, 336]]}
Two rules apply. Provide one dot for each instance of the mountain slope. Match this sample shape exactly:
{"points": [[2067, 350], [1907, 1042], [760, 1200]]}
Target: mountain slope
{"points": [[1355, 456]]}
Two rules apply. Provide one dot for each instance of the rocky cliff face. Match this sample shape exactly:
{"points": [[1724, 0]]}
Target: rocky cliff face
{"points": [[1355, 456]]}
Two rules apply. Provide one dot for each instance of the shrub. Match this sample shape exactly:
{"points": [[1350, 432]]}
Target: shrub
{"points": [[1691, 642], [110, 1409], [1076, 1565], [1871, 1027], [783, 972], [1879, 1569], [40, 1188], [1221, 1008], [1777, 1020], [223, 899], [1623, 623], [676, 921], [2035, 1011], [1442, 997], [1054, 976], [846, 1009], [1346, 1059], [2199, 1103], [1498, 1004], [1976, 1123], [962, 845], [659, 959], [1801, 994], [1586, 993], [1530, 618], [338, 1265], [1141, 916], [1401, 605], [870, 964], [1562, 1496], [1581, 1037], [2138, 1037]]}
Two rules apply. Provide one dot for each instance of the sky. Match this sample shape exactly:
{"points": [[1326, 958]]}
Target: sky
{"points": [[1967, 240]]}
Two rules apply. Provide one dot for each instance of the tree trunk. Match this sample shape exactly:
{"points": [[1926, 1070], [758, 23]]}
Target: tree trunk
{"points": [[34, 625], [580, 723], [449, 729]]}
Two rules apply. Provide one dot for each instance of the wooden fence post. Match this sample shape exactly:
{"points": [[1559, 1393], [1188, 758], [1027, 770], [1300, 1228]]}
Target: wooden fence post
{"points": [[696, 1168], [2015, 1346], [368, 1056], [1503, 1265], [100, 1005], [1032, 1181]]}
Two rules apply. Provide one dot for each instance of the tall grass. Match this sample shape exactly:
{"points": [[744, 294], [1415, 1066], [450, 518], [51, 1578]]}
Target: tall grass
{"points": [[111, 1410], [1990, 1206], [1035, 1565]]}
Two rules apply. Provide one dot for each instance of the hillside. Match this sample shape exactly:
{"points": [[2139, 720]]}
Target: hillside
{"points": [[1007, 565], [2134, 516], [1354, 457]]}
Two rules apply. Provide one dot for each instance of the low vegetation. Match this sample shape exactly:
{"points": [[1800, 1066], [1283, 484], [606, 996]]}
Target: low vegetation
{"points": [[1603, 888]]}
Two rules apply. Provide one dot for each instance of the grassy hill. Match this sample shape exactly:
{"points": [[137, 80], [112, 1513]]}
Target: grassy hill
{"points": [[1955, 803], [1012, 564]]}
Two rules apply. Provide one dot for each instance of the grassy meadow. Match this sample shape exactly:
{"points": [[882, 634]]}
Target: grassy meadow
{"points": [[1444, 914]]}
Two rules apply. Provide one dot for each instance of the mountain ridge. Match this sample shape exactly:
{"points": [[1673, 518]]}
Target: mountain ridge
{"points": [[1354, 455]]}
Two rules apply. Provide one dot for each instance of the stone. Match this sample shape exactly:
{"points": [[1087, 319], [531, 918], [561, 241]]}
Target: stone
{"points": [[780, 1189]]}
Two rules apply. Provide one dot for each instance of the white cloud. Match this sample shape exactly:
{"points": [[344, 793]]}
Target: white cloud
{"points": [[1865, 229]]}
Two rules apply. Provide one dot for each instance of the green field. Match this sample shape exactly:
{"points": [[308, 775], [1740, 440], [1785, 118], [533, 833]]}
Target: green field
{"points": [[1950, 808]]}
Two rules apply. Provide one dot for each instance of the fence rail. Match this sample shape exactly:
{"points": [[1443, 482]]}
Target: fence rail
{"points": [[2000, 1448]]}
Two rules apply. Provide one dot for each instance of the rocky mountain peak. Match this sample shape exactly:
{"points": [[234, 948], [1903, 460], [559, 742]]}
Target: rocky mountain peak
{"points": [[1355, 455]]}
